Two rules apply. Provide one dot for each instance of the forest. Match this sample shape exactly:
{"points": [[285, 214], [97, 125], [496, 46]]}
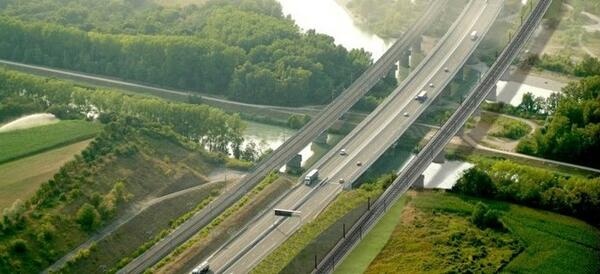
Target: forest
{"points": [[243, 50], [572, 131]]}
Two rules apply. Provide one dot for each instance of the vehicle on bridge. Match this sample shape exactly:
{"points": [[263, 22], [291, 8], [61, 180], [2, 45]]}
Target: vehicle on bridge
{"points": [[422, 96], [343, 152], [311, 177], [474, 35], [201, 268]]}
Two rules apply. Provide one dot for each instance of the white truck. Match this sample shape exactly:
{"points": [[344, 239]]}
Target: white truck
{"points": [[311, 177], [422, 96], [474, 35]]}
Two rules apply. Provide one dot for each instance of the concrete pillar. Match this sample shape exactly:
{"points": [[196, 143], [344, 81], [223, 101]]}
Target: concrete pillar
{"points": [[404, 59], [440, 158], [295, 164], [492, 95], [419, 183], [505, 76], [321, 139], [477, 111], [461, 131], [416, 45], [473, 60]]}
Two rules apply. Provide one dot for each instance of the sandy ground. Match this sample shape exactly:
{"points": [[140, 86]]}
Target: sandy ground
{"points": [[29, 121]]}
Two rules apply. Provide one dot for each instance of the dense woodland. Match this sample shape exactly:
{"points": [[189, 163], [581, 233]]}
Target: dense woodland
{"points": [[244, 50], [572, 132]]}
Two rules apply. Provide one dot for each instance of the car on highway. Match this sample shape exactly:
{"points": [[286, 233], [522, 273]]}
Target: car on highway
{"points": [[406, 114], [201, 268], [341, 181], [359, 163], [343, 152], [431, 85], [446, 69]]}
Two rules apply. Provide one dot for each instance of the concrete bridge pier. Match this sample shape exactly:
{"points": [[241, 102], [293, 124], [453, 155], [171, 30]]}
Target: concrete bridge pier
{"points": [[416, 45], [295, 164], [321, 139], [493, 94], [440, 158], [419, 183], [405, 59]]}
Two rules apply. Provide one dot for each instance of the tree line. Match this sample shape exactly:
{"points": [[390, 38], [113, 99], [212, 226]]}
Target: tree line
{"points": [[244, 50], [210, 126], [535, 187]]}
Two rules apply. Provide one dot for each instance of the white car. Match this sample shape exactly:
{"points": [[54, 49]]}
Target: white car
{"points": [[446, 69], [431, 85], [406, 114], [343, 152], [341, 181], [359, 163]]}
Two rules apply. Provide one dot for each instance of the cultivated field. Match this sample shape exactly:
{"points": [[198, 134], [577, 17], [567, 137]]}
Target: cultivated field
{"points": [[22, 143]]}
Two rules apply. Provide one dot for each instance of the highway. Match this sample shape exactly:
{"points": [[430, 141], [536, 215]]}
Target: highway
{"points": [[418, 164], [291, 147], [365, 143]]}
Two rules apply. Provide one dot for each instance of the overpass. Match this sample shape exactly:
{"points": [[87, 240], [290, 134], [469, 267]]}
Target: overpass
{"points": [[364, 144], [290, 147], [413, 170]]}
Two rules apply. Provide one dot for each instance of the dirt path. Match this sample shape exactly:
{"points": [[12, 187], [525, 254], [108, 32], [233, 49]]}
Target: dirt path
{"points": [[215, 177]]}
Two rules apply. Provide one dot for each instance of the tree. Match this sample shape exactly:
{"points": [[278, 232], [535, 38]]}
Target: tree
{"points": [[88, 217], [475, 182], [484, 217]]}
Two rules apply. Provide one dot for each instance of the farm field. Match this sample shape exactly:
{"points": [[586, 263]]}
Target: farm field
{"points": [[427, 240], [22, 143], [21, 178]]}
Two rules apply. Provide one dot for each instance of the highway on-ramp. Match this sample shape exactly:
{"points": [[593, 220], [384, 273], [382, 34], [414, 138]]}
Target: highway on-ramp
{"points": [[365, 144]]}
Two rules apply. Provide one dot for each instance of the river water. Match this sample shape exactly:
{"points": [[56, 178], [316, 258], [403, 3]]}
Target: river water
{"points": [[328, 17]]}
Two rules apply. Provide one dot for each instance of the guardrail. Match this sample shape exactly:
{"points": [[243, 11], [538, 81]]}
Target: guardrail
{"points": [[416, 167], [291, 147]]}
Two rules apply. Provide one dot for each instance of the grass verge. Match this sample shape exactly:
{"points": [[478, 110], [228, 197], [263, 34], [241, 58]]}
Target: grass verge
{"points": [[22, 143], [361, 256], [435, 235]]}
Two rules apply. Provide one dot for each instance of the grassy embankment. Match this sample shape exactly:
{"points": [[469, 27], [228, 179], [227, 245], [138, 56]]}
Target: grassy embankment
{"points": [[22, 143], [435, 235]]}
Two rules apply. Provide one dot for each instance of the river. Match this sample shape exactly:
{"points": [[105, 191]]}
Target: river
{"points": [[328, 17]]}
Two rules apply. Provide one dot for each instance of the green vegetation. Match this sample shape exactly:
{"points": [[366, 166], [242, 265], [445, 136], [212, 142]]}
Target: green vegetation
{"points": [[121, 166], [572, 133], [435, 235], [505, 180], [20, 179], [308, 236], [510, 128], [245, 50], [26, 142], [367, 249], [215, 129], [588, 66]]}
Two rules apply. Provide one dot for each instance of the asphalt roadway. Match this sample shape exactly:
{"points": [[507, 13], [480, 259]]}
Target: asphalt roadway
{"points": [[365, 144]]}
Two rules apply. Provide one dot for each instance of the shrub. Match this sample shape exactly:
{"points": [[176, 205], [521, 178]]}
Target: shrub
{"points": [[88, 217], [18, 246], [484, 217], [476, 182]]}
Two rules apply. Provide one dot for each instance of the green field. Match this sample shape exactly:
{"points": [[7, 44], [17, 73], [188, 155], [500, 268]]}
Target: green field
{"points": [[21, 178], [22, 143], [535, 241]]}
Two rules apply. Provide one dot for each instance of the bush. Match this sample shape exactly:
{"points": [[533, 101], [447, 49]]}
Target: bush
{"points": [[475, 182], [484, 217], [512, 129], [18, 246], [88, 217]]}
